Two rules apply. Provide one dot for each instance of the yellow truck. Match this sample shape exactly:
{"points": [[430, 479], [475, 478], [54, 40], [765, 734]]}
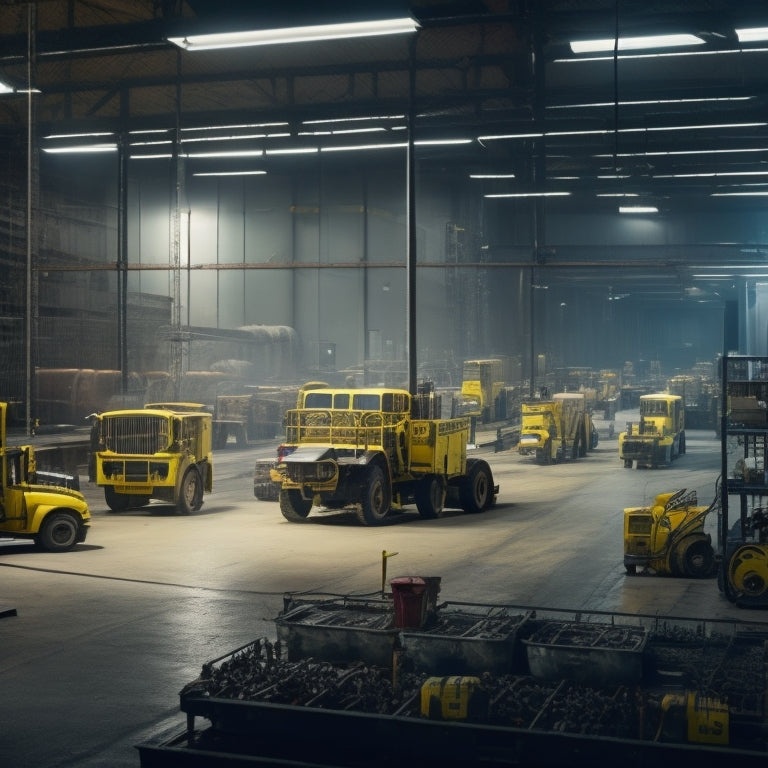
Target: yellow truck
{"points": [[161, 451], [659, 437], [377, 450], [46, 507], [668, 537], [557, 429], [482, 381]]}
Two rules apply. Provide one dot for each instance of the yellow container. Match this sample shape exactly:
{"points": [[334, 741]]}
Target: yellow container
{"points": [[455, 697]]}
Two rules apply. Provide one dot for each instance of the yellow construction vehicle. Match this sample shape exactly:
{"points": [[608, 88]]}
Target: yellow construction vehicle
{"points": [[659, 437], [668, 537], [377, 450], [557, 429], [482, 381], [46, 507], [161, 451], [744, 575]]}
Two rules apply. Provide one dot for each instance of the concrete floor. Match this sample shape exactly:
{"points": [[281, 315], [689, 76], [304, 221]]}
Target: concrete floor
{"points": [[107, 635]]}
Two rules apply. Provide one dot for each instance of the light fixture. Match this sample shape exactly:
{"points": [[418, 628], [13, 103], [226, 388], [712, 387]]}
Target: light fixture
{"points": [[5, 87], [231, 173], [295, 34], [752, 34], [351, 148], [82, 148], [638, 209], [491, 175], [530, 194], [635, 43]]}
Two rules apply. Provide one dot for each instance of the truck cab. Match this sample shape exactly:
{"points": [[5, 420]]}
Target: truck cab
{"points": [[46, 507]]}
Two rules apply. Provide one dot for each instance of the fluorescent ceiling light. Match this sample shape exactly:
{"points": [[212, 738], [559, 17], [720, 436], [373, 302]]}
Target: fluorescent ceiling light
{"points": [[233, 127], [76, 135], [635, 43], [638, 209], [295, 34], [530, 194], [362, 146], [491, 175], [151, 157], [234, 153], [5, 87], [231, 173], [293, 151], [601, 132], [440, 142], [340, 131], [752, 34], [80, 149], [647, 102], [756, 193], [352, 119], [617, 194], [159, 142]]}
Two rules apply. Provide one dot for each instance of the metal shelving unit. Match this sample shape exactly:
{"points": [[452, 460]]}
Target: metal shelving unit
{"points": [[743, 572]]}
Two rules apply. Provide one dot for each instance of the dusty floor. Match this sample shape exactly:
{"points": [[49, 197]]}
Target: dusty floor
{"points": [[106, 636]]}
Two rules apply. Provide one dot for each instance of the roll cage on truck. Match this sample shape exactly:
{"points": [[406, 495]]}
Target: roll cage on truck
{"points": [[377, 450]]}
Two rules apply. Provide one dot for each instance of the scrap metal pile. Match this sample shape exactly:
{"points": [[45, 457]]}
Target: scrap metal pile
{"points": [[479, 684], [727, 667]]}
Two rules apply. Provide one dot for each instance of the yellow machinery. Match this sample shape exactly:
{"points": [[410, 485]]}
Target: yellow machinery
{"points": [[659, 437], [482, 381], [744, 577], [694, 718], [161, 451], [453, 698], [668, 537], [558, 429], [377, 449], [44, 506]]}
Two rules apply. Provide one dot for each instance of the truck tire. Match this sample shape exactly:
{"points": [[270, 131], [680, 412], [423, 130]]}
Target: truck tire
{"points": [[476, 489], [430, 496], [117, 502], [294, 506], [190, 497], [377, 498], [59, 532], [695, 557]]}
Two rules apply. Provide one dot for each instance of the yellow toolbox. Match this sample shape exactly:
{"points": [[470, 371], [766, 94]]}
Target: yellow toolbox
{"points": [[454, 697]]}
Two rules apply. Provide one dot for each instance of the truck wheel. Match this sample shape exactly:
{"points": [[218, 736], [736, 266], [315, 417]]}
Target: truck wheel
{"points": [[59, 532], [476, 490], [117, 502], [190, 492], [377, 498], [695, 558], [294, 506], [430, 497], [681, 450]]}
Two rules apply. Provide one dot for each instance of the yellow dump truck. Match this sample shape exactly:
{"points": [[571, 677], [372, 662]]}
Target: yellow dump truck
{"points": [[659, 437], [557, 429], [377, 450], [161, 451], [46, 507]]}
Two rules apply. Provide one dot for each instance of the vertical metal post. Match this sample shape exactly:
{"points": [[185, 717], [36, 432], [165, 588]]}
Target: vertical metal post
{"points": [[122, 262], [178, 163], [30, 309], [411, 229]]}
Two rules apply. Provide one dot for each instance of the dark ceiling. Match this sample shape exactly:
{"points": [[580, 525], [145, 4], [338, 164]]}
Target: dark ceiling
{"points": [[677, 131]]}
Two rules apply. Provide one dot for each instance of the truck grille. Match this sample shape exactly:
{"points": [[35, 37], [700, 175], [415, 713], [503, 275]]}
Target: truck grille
{"points": [[135, 435]]}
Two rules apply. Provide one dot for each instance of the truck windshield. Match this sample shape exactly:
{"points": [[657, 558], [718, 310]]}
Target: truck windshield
{"points": [[653, 407]]}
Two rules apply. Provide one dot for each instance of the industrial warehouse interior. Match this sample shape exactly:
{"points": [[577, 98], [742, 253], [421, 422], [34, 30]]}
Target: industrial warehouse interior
{"points": [[383, 382]]}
